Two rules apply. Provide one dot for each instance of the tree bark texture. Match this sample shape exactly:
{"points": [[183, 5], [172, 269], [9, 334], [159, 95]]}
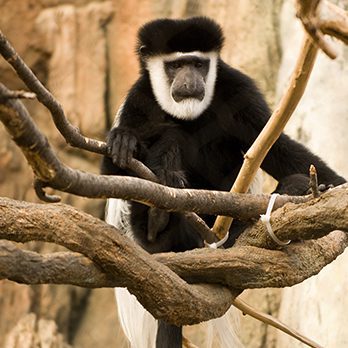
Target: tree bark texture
{"points": [[125, 263]]}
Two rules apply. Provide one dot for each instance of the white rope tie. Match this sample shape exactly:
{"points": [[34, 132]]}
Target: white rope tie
{"points": [[266, 218], [218, 244]]}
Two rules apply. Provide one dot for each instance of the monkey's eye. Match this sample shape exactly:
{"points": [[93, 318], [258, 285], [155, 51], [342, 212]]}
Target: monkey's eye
{"points": [[198, 65], [175, 65]]}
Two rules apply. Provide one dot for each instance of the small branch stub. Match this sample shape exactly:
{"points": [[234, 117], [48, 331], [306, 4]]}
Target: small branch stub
{"points": [[313, 182]]}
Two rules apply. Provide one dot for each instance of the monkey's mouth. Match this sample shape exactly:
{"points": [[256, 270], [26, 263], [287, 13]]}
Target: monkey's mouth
{"points": [[178, 97]]}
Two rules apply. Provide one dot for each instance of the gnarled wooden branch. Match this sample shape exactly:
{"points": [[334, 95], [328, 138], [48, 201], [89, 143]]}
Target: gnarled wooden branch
{"points": [[238, 267], [160, 290], [326, 213], [72, 268]]}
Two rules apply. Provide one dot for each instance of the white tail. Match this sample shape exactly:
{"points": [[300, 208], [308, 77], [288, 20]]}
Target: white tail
{"points": [[225, 329], [139, 325]]}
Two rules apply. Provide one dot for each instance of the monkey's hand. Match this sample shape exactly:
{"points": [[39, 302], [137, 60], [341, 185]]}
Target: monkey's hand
{"points": [[122, 144], [295, 184], [325, 187], [157, 221], [298, 185]]}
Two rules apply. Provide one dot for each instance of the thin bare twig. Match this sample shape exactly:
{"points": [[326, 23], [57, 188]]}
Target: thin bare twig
{"points": [[70, 133], [268, 319], [188, 344]]}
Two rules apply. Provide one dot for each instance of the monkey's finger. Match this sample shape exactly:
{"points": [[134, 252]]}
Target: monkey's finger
{"points": [[116, 149], [324, 187], [123, 151], [131, 149]]}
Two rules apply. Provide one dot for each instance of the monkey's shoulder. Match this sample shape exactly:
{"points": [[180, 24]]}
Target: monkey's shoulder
{"points": [[232, 82]]}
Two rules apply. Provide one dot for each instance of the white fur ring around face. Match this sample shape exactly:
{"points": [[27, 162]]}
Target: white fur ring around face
{"points": [[188, 109]]}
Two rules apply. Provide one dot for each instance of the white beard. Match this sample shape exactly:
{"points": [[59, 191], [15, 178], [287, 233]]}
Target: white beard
{"points": [[188, 109]]}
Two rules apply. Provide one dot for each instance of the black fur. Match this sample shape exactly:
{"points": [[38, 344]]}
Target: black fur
{"points": [[209, 150], [205, 153], [163, 36]]}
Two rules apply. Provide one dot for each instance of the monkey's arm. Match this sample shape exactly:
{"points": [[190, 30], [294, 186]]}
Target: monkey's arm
{"points": [[164, 158], [249, 114], [287, 160], [137, 136], [287, 157]]}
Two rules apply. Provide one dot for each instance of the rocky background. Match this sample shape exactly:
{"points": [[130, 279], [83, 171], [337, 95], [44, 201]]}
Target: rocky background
{"points": [[83, 51]]}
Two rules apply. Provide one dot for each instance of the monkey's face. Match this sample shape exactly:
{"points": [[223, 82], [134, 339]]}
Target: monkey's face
{"points": [[187, 77], [183, 83]]}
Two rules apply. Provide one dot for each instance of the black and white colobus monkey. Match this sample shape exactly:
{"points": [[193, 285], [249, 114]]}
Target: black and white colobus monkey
{"points": [[190, 117]]}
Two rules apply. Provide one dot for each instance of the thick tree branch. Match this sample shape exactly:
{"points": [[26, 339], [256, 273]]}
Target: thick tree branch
{"points": [[28, 267], [238, 267], [72, 268], [160, 290], [320, 215]]}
